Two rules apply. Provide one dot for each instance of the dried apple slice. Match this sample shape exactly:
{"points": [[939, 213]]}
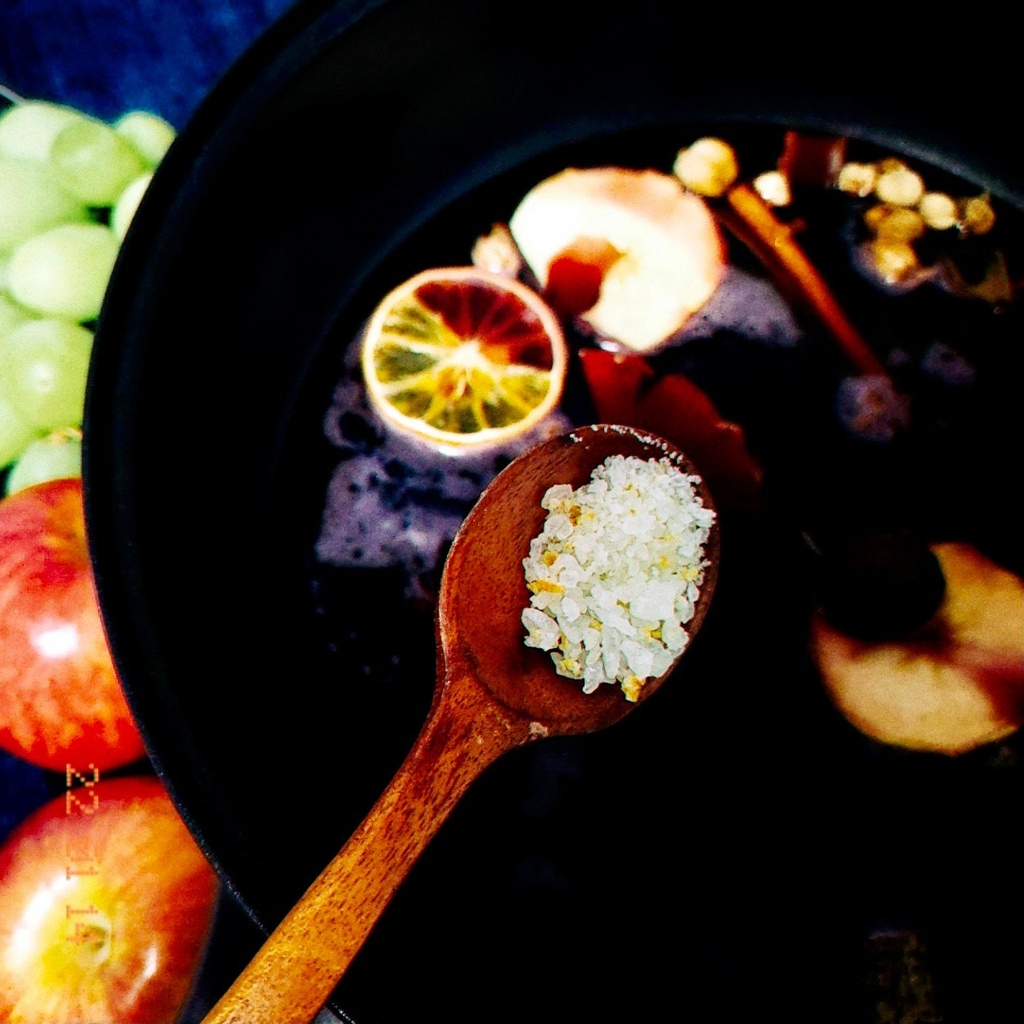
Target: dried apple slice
{"points": [[626, 389], [642, 252], [950, 687]]}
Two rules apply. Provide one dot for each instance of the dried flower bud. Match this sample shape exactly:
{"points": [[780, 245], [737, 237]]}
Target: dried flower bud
{"points": [[978, 216], [900, 186], [497, 252], [773, 188], [891, 163], [896, 223], [895, 263], [708, 167], [857, 179], [874, 216], [938, 210]]}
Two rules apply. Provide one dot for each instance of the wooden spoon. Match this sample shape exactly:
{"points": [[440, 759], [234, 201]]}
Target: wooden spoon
{"points": [[492, 694]]}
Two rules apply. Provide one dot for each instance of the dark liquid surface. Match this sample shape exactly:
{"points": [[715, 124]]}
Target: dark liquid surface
{"points": [[743, 816]]}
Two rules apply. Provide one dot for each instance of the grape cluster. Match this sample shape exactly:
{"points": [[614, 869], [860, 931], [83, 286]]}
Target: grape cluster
{"points": [[69, 186]]}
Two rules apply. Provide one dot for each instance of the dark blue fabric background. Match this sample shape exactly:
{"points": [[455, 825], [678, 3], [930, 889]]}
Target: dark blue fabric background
{"points": [[109, 56]]}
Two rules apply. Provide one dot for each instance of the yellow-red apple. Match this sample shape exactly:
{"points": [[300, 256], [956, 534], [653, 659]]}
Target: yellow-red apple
{"points": [[106, 903], [60, 697]]}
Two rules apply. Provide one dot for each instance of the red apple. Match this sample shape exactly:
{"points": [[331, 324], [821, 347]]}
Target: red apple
{"points": [[106, 904], [949, 687], [60, 697]]}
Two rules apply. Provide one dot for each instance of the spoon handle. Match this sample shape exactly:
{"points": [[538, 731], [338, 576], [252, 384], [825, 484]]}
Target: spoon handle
{"points": [[294, 972]]}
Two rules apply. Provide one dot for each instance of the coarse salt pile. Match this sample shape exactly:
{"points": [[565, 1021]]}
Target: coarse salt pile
{"points": [[615, 573]]}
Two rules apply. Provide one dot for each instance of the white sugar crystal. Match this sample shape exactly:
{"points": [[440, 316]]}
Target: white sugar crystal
{"points": [[656, 601], [543, 629], [556, 495], [573, 632], [639, 658], [616, 572], [558, 526]]}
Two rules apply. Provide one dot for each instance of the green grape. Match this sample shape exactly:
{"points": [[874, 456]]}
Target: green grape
{"points": [[32, 200], [53, 457], [95, 162], [44, 365], [16, 433], [149, 134], [11, 315], [64, 271], [27, 129], [128, 202]]}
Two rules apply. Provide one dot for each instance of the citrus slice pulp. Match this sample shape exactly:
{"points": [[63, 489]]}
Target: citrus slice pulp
{"points": [[462, 357]]}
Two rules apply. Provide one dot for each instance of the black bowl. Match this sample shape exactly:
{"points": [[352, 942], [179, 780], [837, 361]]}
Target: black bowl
{"points": [[728, 854]]}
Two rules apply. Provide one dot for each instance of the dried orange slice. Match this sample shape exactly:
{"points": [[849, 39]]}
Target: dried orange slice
{"points": [[462, 357]]}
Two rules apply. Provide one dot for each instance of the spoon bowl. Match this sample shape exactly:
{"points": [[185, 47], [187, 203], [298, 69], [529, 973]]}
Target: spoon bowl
{"points": [[483, 591], [492, 694]]}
